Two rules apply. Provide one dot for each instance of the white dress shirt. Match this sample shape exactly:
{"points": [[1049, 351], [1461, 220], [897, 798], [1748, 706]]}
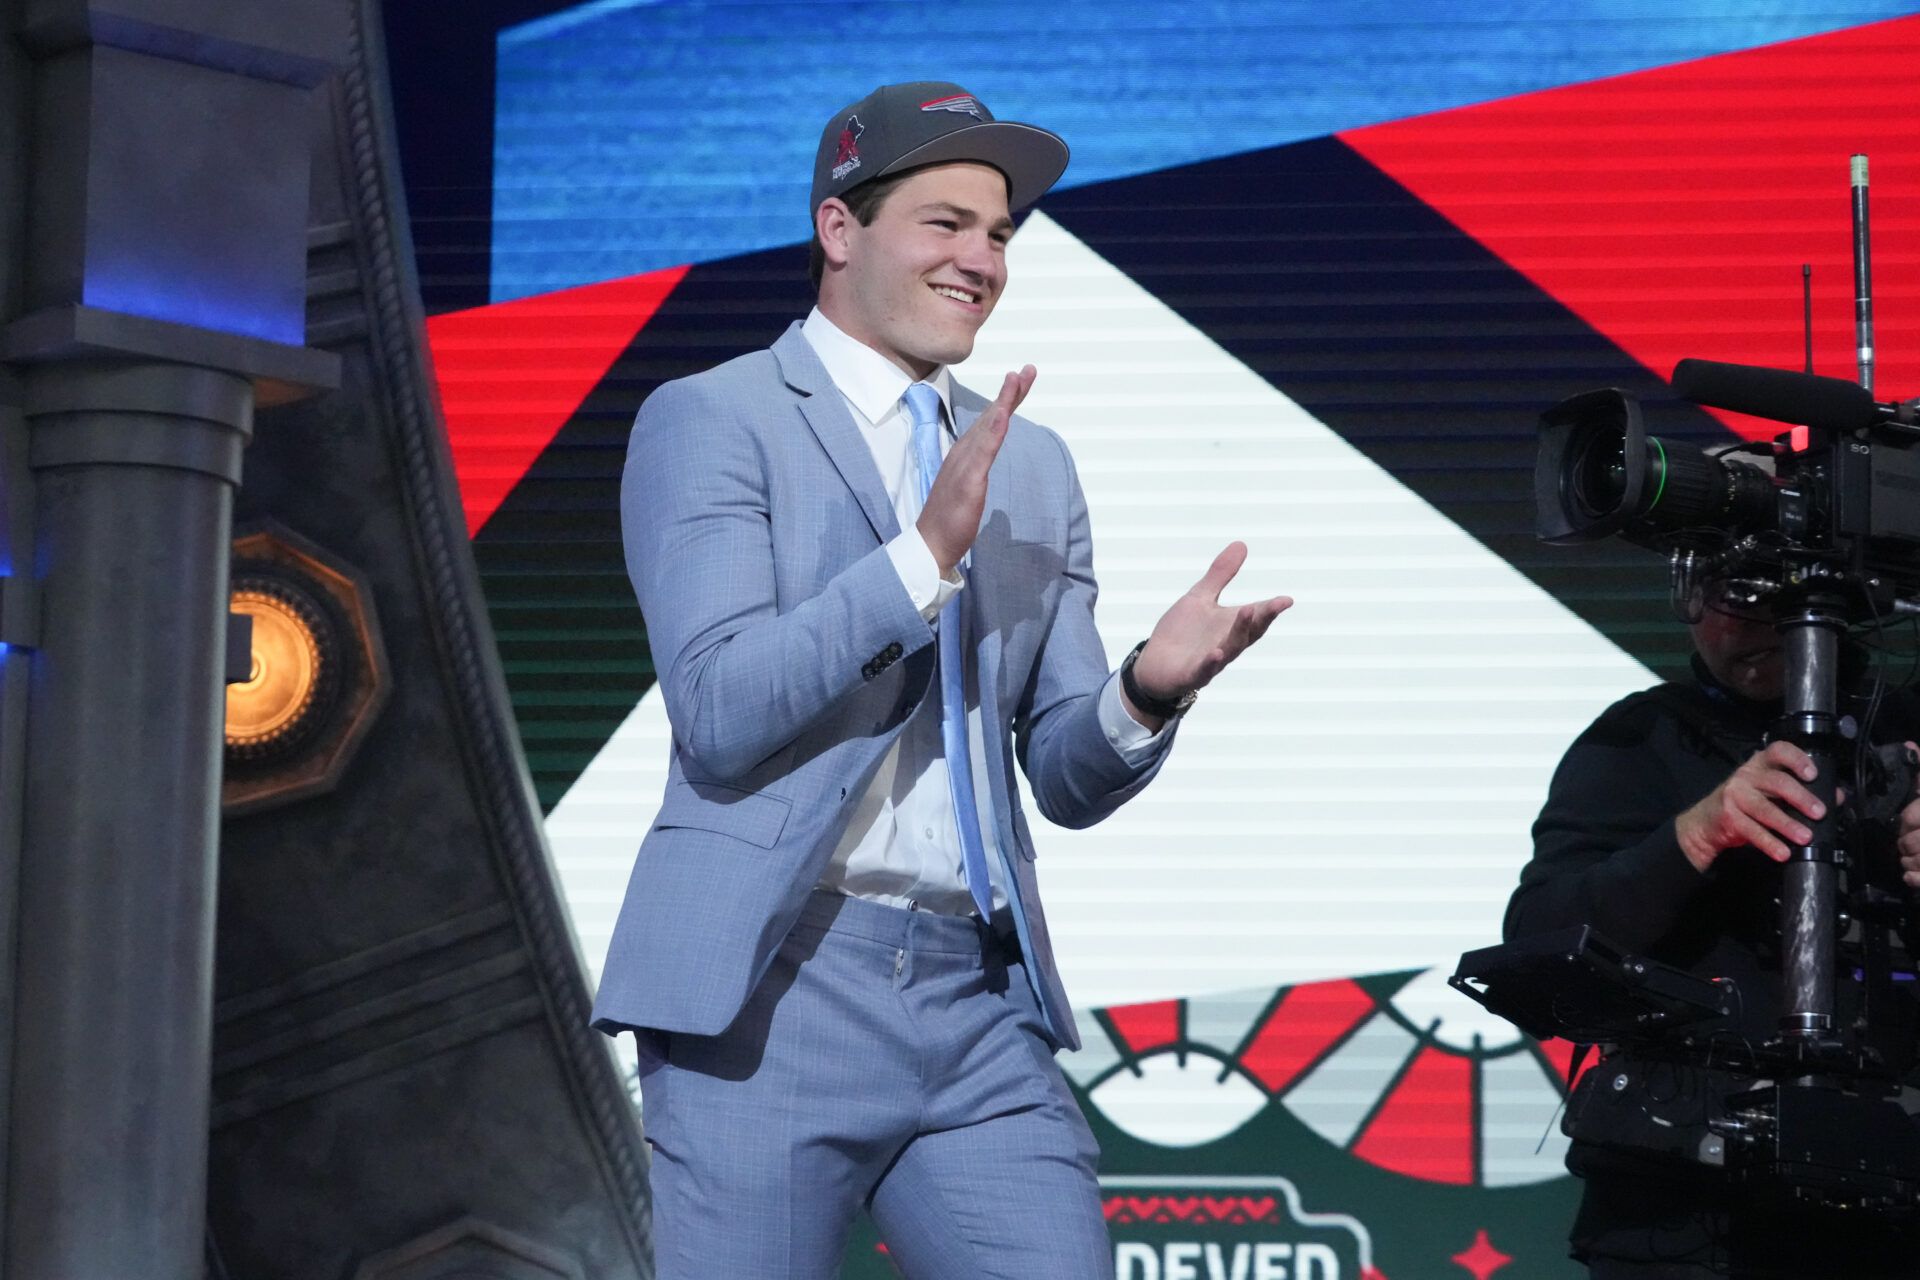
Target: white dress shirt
{"points": [[902, 845]]}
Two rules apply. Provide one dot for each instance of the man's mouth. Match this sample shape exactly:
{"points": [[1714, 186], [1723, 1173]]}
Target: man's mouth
{"points": [[958, 294]]}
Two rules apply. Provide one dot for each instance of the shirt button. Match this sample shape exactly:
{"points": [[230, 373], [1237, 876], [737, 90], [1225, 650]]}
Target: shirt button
{"points": [[929, 833]]}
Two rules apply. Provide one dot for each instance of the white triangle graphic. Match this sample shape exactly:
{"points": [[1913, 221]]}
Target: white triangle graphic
{"points": [[1354, 795]]}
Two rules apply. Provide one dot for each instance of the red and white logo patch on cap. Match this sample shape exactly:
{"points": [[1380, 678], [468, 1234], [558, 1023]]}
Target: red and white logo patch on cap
{"points": [[846, 156], [962, 103]]}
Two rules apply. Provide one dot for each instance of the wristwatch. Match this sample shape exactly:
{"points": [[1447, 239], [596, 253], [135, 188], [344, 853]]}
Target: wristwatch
{"points": [[1147, 702]]}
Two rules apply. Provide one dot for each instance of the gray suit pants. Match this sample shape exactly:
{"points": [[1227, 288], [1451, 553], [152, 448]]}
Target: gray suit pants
{"points": [[889, 1058]]}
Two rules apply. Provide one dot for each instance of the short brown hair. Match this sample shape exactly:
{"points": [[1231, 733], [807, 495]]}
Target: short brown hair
{"points": [[863, 202]]}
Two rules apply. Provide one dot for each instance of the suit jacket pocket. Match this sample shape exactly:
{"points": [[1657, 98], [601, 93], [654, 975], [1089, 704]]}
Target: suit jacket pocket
{"points": [[753, 816], [1033, 531]]}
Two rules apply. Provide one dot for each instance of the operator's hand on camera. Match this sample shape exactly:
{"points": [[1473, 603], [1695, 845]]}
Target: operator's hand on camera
{"points": [[1762, 804], [1196, 638], [1907, 842]]}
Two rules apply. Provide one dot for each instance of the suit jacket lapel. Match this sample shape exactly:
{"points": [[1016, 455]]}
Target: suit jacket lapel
{"points": [[826, 413]]}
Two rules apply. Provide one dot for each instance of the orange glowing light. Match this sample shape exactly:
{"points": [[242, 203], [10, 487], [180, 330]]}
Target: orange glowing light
{"points": [[285, 671]]}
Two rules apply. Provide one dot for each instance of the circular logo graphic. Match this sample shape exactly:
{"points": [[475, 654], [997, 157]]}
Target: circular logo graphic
{"points": [[1399, 1070]]}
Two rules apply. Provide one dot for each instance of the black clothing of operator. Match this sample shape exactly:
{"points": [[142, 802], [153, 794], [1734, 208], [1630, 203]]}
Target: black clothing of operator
{"points": [[1606, 853]]}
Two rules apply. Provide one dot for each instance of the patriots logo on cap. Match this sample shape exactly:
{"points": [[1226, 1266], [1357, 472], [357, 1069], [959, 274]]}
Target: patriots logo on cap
{"points": [[963, 103], [846, 157]]}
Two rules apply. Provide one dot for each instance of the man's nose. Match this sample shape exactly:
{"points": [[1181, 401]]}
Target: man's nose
{"points": [[979, 258]]}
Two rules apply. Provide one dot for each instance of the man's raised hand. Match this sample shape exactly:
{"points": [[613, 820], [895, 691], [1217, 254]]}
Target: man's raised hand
{"points": [[1196, 638], [951, 516]]}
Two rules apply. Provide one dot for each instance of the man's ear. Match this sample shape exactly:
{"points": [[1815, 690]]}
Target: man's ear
{"points": [[833, 225]]}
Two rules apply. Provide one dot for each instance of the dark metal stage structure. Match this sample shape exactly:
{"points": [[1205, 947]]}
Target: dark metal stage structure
{"points": [[286, 987]]}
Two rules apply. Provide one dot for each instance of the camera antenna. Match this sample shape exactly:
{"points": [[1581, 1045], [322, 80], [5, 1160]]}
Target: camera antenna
{"points": [[1862, 273], [1806, 309]]}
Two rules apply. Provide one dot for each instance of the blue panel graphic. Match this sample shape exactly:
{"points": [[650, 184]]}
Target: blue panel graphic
{"points": [[632, 136]]}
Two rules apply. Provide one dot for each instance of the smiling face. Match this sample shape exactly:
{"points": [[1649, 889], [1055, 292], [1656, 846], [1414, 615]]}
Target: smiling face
{"points": [[917, 282], [1742, 650]]}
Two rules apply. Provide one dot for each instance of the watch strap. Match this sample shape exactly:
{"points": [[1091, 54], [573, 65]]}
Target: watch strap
{"points": [[1161, 707]]}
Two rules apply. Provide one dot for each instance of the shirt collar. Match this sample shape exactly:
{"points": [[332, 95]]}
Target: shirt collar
{"points": [[870, 381]]}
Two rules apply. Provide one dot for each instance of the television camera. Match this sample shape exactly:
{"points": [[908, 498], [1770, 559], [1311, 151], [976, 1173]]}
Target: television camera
{"points": [[1821, 533]]}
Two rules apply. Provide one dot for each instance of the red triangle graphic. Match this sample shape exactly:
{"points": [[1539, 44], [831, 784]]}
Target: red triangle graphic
{"points": [[1147, 1026], [1671, 209], [1425, 1127], [511, 375], [1308, 1019]]}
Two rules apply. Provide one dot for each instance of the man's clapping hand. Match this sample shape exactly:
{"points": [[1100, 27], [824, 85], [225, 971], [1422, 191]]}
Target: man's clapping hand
{"points": [[1196, 639], [950, 520], [1193, 641]]}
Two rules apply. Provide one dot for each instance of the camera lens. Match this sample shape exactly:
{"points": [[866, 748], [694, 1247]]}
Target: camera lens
{"points": [[1599, 473], [1596, 481]]}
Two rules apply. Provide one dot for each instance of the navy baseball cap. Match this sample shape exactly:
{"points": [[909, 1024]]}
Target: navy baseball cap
{"points": [[904, 126]]}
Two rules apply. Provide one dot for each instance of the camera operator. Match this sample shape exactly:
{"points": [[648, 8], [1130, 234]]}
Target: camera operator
{"points": [[1662, 829]]}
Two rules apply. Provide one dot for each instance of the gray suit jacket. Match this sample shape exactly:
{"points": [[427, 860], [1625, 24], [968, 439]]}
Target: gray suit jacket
{"points": [[790, 657]]}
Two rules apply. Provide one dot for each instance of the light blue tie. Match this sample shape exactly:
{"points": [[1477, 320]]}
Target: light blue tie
{"points": [[923, 406]]}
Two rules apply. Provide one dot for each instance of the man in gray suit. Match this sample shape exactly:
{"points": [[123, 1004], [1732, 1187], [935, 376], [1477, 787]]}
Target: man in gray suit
{"points": [[869, 592]]}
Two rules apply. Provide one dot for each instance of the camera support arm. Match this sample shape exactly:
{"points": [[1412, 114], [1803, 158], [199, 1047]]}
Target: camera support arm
{"points": [[1811, 632]]}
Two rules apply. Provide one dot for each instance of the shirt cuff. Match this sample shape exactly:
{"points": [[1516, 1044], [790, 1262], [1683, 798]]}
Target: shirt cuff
{"points": [[920, 574], [1134, 741]]}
